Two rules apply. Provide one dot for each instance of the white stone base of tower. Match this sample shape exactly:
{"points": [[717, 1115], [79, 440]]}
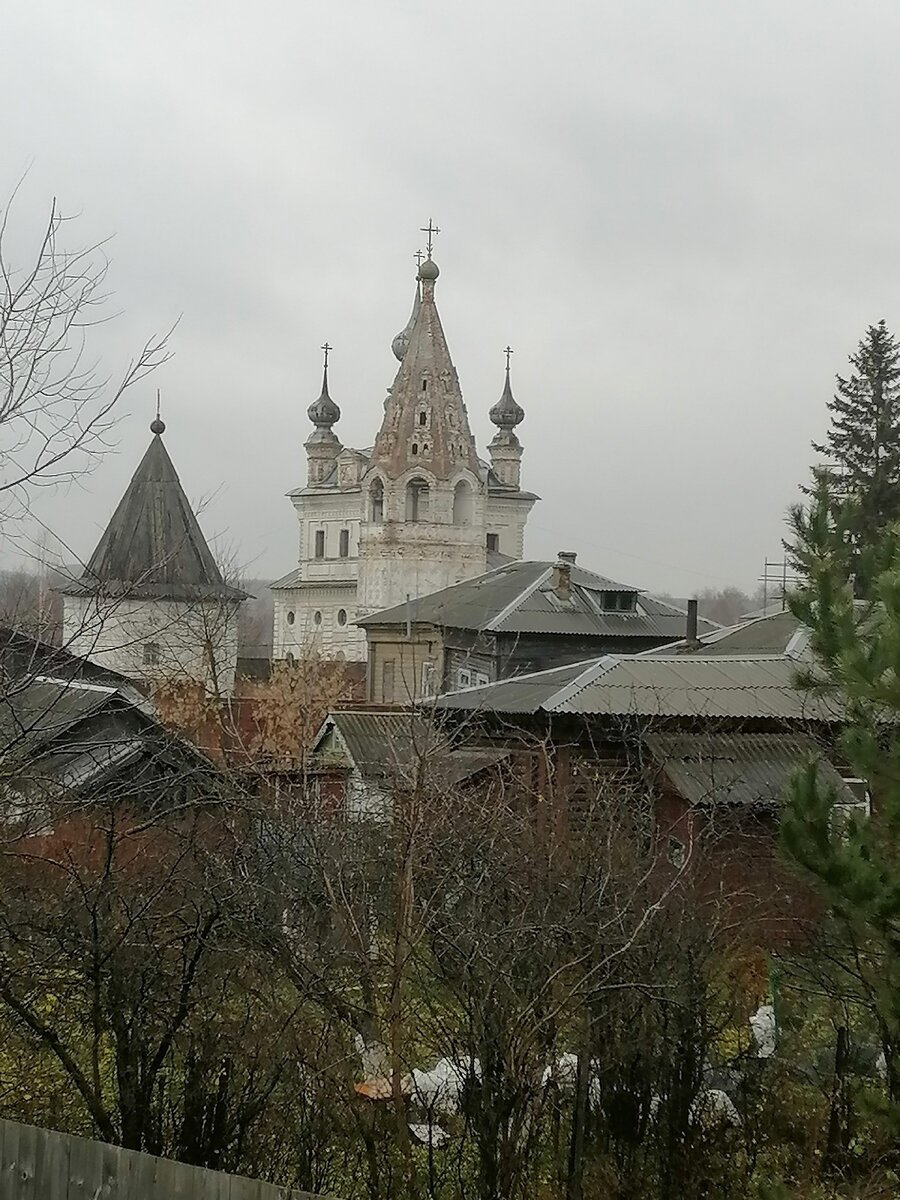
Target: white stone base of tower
{"points": [[152, 640]]}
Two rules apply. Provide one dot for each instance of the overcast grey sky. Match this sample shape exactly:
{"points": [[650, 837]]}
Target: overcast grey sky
{"points": [[681, 215]]}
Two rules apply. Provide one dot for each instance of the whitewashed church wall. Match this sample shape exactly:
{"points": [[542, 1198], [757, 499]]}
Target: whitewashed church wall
{"points": [[156, 639], [299, 632]]}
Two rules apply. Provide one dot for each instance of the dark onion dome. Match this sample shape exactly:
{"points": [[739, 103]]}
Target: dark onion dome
{"points": [[507, 413], [324, 413], [429, 270]]}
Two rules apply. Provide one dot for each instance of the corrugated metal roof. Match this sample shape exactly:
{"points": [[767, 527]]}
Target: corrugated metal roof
{"points": [[775, 634], [153, 545], [656, 685], [392, 745], [738, 769], [762, 635], [35, 712], [519, 597], [520, 694]]}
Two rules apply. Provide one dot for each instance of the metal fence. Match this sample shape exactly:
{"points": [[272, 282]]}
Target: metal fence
{"points": [[38, 1164]]}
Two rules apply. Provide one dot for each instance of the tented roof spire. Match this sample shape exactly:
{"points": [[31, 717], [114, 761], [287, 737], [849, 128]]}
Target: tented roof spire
{"points": [[153, 545], [425, 421]]}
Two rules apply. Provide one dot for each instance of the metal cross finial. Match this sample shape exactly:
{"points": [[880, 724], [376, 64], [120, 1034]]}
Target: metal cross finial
{"points": [[418, 256], [326, 348], [508, 353], [157, 425], [431, 229]]}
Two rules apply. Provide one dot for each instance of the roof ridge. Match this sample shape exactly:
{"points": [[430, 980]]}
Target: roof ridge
{"points": [[76, 684], [529, 590], [594, 671]]}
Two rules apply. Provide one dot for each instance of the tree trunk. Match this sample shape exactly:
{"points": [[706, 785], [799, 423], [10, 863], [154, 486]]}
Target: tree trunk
{"points": [[837, 1118]]}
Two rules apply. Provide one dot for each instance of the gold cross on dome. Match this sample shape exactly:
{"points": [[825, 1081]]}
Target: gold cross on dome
{"points": [[508, 352], [418, 256], [327, 348], [430, 229]]}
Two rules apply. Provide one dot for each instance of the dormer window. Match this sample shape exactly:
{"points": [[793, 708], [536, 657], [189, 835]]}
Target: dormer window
{"points": [[415, 447], [424, 385], [617, 601], [423, 418]]}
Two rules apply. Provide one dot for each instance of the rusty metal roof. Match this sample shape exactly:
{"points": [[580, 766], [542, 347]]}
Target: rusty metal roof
{"points": [[153, 545]]}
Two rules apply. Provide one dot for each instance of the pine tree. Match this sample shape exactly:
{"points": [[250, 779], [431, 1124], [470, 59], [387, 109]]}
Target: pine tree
{"points": [[854, 861], [862, 445]]}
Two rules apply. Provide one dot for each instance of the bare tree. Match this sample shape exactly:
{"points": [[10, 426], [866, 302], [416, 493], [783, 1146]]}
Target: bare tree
{"points": [[56, 404]]}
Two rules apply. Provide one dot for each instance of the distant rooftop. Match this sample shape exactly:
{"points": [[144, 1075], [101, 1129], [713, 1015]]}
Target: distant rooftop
{"points": [[748, 671], [523, 597]]}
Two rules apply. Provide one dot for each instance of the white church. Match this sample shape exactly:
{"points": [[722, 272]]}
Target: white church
{"points": [[418, 511]]}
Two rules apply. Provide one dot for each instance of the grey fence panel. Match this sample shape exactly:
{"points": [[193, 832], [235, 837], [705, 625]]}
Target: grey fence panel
{"points": [[52, 1168], [39, 1164]]}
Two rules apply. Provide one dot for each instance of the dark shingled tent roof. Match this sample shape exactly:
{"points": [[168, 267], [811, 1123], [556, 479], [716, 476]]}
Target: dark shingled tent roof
{"points": [[153, 546]]}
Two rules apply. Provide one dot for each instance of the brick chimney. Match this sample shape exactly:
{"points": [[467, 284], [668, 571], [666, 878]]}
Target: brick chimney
{"points": [[562, 575]]}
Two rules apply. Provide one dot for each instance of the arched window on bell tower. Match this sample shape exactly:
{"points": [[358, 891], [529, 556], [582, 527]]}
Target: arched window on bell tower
{"points": [[462, 504], [417, 497]]}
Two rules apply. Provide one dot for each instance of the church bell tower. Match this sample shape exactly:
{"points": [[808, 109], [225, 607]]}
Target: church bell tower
{"points": [[424, 494]]}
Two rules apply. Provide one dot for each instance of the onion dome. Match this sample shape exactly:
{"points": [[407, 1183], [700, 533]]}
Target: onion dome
{"points": [[429, 270], [401, 342], [507, 413], [324, 413]]}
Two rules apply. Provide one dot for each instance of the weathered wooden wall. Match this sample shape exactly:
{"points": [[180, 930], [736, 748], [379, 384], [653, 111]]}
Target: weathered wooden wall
{"points": [[38, 1164]]}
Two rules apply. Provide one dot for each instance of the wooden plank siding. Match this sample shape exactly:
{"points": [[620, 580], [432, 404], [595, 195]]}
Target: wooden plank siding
{"points": [[40, 1164]]}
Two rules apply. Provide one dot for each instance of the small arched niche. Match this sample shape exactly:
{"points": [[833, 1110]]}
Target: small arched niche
{"points": [[376, 502], [417, 500], [462, 504]]}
